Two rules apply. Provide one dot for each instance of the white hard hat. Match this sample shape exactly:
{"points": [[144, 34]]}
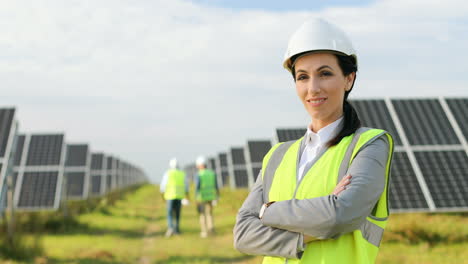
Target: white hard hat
{"points": [[173, 163], [201, 160], [317, 35]]}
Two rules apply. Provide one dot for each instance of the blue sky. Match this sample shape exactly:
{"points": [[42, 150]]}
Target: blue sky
{"points": [[152, 80], [280, 5]]}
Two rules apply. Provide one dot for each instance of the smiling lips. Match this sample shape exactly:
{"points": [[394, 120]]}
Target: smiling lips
{"points": [[316, 101]]}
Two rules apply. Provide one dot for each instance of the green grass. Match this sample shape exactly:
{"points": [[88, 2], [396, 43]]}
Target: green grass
{"points": [[133, 228]]}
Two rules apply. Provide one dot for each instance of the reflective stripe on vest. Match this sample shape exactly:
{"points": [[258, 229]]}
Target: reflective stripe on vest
{"points": [[207, 190], [175, 186], [359, 246]]}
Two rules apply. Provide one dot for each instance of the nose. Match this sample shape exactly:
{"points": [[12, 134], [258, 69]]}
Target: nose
{"points": [[313, 86]]}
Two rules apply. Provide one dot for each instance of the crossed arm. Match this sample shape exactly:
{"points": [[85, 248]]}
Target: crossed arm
{"points": [[287, 225]]}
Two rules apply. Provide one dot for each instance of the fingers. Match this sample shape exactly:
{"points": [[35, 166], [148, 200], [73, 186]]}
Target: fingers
{"points": [[341, 186], [345, 181]]}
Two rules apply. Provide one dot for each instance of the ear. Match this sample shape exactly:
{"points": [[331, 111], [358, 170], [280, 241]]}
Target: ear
{"points": [[349, 81]]}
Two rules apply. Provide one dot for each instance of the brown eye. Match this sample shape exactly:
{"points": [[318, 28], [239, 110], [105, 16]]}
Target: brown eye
{"points": [[325, 74], [302, 77]]}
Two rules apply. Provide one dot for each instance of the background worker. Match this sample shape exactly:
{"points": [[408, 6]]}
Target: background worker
{"points": [[174, 188], [206, 192]]}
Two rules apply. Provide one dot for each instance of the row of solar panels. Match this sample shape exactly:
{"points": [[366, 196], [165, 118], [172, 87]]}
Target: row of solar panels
{"points": [[42, 169], [430, 164]]}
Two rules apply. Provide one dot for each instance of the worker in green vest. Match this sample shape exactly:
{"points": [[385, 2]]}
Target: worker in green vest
{"points": [[207, 193], [322, 198], [174, 188]]}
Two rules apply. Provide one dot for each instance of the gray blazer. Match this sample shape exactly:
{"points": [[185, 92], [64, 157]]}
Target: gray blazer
{"points": [[281, 230]]}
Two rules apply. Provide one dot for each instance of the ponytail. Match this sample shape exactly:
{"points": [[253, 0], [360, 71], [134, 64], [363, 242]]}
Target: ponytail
{"points": [[351, 123], [351, 119]]}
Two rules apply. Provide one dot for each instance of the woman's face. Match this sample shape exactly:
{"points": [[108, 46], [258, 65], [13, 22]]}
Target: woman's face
{"points": [[321, 85]]}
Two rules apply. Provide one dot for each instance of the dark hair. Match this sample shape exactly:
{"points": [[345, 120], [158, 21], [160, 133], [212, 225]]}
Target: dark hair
{"points": [[351, 120]]}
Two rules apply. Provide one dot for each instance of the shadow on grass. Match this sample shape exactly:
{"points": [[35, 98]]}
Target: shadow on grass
{"points": [[205, 259], [87, 230], [19, 249], [82, 261]]}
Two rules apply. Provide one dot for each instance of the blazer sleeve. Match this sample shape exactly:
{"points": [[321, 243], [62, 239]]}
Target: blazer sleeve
{"points": [[251, 236]]}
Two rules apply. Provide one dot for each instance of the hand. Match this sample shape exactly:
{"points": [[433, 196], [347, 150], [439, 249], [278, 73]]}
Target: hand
{"points": [[341, 186]]}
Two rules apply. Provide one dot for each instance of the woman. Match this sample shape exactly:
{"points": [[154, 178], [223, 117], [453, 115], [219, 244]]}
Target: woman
{"points": [[296, 211]]}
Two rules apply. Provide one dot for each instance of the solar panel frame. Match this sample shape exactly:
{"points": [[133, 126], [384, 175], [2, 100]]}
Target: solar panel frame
{"points": [[24, 171]]}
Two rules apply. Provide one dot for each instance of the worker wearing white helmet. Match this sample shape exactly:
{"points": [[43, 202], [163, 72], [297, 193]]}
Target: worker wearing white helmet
{"points": [[322, 198], [206, 192], [174, 188]]}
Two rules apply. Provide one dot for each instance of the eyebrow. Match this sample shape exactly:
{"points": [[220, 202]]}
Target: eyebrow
{"points": [[320, 68], [323, 67]]}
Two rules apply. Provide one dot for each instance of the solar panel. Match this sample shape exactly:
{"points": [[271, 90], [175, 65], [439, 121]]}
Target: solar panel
{"points": [[77, 155], [45, 150], [38, 190], [97, 161], [212, 164], [255, 151], [75, 184], [425, 122], [40, 172], [190, 171], [223, 159], [117, 175], [225, 177], [98, 174], [111, 177], [375, 114], [237, 168], [237, 155], [109, 182], [405, 191], [96, 183], [6, 122], [77, 169], [459, 109], [287, 134], [446, 175], [222, 169], [240, 177], [19, 150], [258, 149], [8, 130]]}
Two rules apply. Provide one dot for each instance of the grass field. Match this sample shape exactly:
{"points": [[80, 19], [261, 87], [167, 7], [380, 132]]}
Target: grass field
{"points": [[132, 231]]}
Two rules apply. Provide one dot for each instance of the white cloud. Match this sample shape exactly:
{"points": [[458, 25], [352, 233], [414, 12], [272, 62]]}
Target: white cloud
{"points": [[139, 78]]}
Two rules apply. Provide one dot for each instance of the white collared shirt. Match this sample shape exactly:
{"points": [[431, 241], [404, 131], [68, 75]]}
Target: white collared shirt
{"points": [[316, 142]]}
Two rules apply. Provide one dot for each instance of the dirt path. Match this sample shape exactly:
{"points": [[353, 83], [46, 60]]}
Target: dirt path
{"points": [[153, 229]]}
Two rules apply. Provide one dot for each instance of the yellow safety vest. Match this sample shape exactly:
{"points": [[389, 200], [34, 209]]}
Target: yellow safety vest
{"points": [[175, 186], [359, 246]]}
